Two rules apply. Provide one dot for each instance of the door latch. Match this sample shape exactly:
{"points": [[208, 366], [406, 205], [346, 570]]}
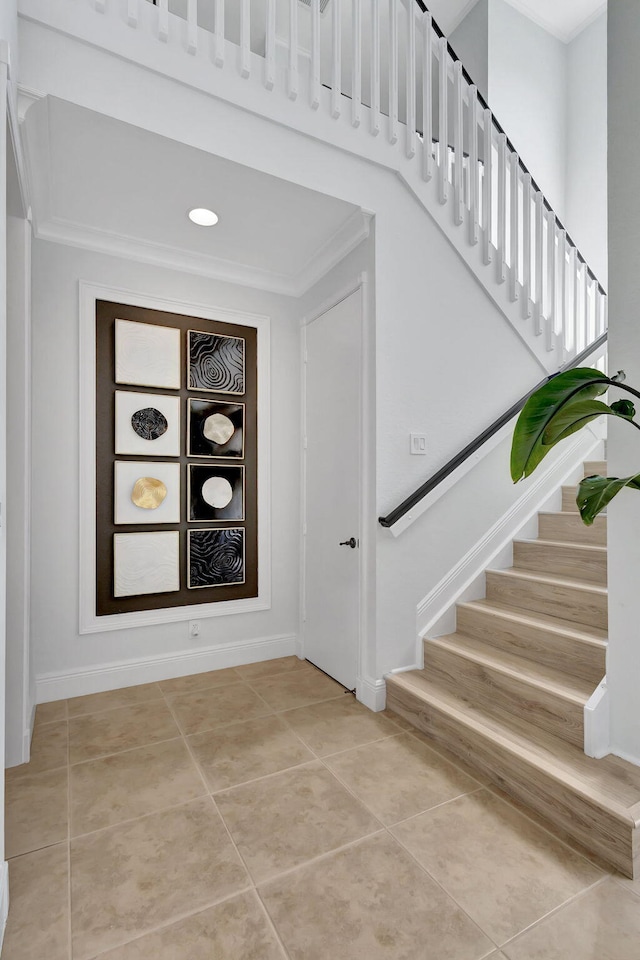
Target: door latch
{"points": [[351, 542]]}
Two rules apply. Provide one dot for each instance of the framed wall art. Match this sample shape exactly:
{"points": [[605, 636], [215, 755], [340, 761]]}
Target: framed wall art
{"points": [[176, 447]]}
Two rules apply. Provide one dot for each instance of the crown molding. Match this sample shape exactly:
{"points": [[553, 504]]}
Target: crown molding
{"points": [[565, 36], [331, 252]]}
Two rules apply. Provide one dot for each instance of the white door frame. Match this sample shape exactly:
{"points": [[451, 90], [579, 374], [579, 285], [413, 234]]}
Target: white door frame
{"points": [[368, 690]]}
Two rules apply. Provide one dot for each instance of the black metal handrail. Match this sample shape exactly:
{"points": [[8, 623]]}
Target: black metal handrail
{"points": [[500, 129], [475, 445]]}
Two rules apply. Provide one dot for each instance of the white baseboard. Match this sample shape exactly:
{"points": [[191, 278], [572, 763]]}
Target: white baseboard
{"points": [[130, 673], [4, 899], [372, 693], [597, 723], [466, 579]]}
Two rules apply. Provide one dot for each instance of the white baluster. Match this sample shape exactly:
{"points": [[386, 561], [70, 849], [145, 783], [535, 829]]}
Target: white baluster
{"points": [[586, 313], [336, 70], [605, 313], [411, 80], [551, 279], [314, 88], [427, 105], [293, 49], [539, 271], [474, 205], [219, 29], [393, 71], [515, 218], [270, 43], [374, 65], [443, 121], [458, 131], [356, 82], [163, 20], [245, 38], [132, 13], [192, 26], [502, 207], [487, 184], [563, 311], [526, 245], [573, 274]]}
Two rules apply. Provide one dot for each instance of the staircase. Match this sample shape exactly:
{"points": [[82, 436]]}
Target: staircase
{"points": [[507, 690]]}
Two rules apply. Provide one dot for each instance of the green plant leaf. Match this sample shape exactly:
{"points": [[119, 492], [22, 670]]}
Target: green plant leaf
{"points": [[527, 448], [594, 493], [571, 418], [624, 408]]}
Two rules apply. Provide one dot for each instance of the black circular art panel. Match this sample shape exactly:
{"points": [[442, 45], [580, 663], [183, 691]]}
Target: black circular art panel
{"points": [[149, 423]]}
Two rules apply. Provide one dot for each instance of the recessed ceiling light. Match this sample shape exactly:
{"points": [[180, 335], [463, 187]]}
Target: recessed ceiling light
{"points": [[203, 217]]}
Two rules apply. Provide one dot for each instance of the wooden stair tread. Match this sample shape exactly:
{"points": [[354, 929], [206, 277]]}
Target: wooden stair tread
{"points": [[546, 678], [611, 783], [593, 635], [551, 579], [588, 548]]}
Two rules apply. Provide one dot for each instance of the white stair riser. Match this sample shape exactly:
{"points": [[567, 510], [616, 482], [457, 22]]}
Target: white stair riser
{"points": [[557, 650], [562, 560]]}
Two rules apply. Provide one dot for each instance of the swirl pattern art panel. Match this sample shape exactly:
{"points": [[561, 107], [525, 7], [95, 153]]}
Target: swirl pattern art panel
{"points": [[216, 364], [216, 557]]}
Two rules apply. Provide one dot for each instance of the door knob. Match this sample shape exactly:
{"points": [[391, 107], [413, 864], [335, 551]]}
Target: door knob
{"points": [[351, 542]]}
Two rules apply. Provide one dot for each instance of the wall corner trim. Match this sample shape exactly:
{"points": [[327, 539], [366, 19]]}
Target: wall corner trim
{"points": [[597, 722], [4, 899]]}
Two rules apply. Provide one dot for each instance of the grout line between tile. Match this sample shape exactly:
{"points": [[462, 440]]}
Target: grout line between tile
{"points": [[436, 806]]}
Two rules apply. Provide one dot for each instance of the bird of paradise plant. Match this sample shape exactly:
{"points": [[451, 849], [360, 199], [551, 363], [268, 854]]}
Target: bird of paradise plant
{"points": [[561, 407]]}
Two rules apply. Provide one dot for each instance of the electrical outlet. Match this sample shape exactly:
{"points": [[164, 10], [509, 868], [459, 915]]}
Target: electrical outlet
{"points": [[194, 628], [418, 445]]}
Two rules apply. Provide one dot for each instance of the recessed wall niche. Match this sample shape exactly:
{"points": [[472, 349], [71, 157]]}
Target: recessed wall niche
{"points": [[174, 453]]}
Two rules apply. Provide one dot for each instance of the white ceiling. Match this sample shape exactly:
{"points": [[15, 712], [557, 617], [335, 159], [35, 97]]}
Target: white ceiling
{"points": [[563, 18], [102, 182]]}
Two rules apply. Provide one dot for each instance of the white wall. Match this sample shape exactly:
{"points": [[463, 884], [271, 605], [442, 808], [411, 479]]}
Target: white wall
{"points": [[586, 165], [527, 93], [470, 40], [57, 646], [623, 659]]}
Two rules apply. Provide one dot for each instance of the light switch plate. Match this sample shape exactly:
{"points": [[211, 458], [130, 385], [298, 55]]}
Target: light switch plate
{"points": [[418, 445]]}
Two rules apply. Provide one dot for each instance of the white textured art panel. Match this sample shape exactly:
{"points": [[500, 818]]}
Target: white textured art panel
{"points": [[146, 563], [127, 472], [134, 440], [147, 355]]}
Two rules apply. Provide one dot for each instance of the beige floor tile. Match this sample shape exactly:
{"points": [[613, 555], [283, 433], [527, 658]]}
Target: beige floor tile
{"points": [[129, 879], [338, 725], [198, 681], [38, 925], [281, 821], [397, 719], [400, 777], [632, 885], [205, 709], [234, 930], [111, 699], [500, 867], [49, 750], [286, 692], [51, 712], [238, 752], [602, 925], [99, 734], [127, 785], [369, 902], [36, 811], [270, 668]]}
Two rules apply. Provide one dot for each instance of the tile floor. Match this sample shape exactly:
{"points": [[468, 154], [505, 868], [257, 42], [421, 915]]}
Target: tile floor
{"points": [[260, 813]]}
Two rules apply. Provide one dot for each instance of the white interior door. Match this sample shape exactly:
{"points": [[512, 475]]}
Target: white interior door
{"points": [[332, 490]]}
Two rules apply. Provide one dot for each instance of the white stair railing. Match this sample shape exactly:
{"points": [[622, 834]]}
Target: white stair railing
{"points": [[449, 132]]}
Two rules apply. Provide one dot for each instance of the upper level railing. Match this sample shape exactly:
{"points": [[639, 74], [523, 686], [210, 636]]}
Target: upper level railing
{"points": [[391, 57]]}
